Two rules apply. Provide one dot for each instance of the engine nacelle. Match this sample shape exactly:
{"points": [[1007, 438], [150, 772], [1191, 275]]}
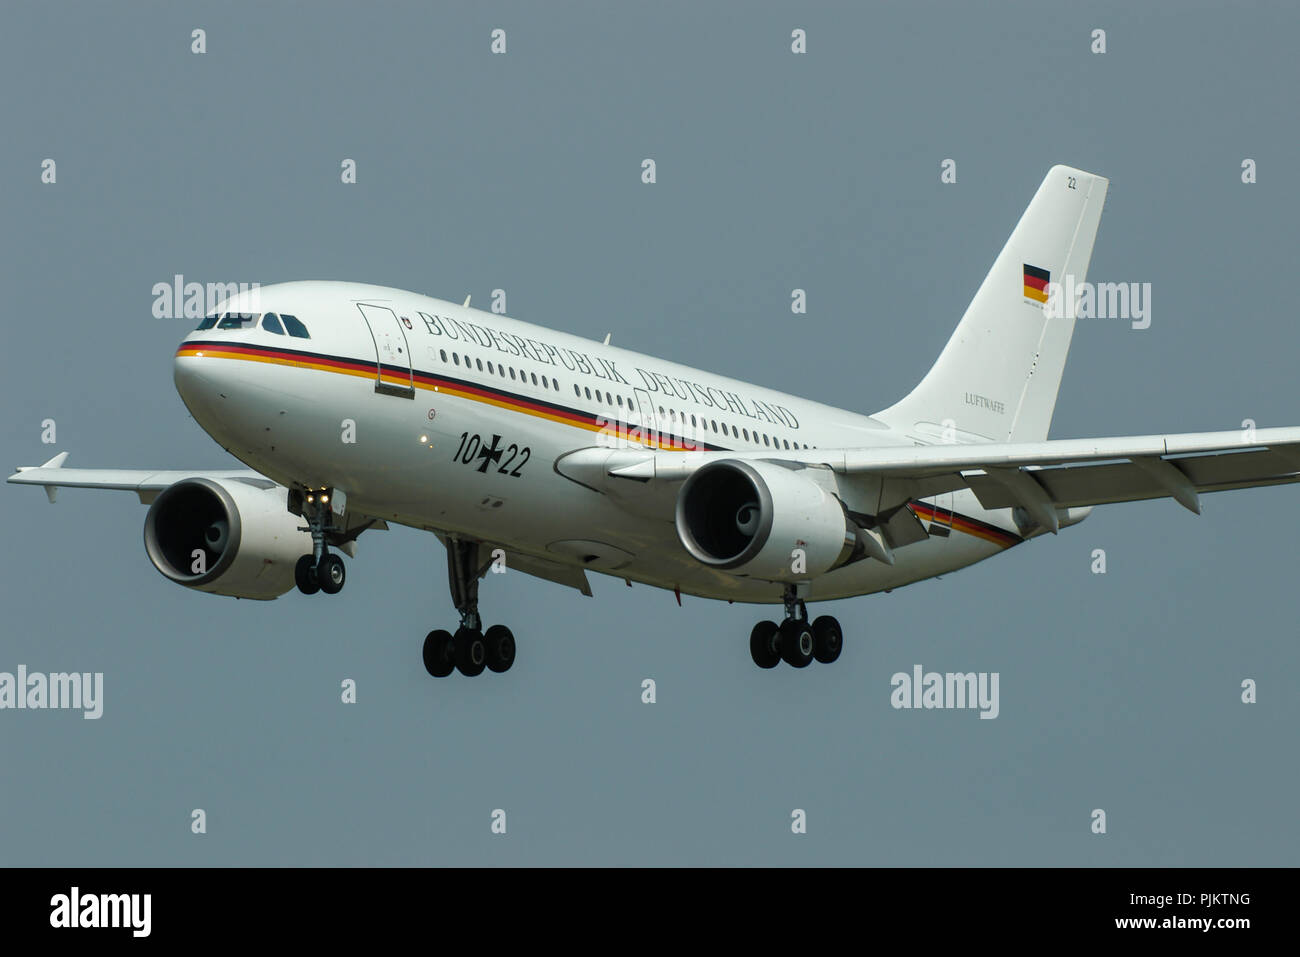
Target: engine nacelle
{"points": [[749, 518], [225, 537]]}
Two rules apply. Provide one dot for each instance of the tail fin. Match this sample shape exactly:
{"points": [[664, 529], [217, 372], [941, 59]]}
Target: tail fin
{"points": [[998, 376]]}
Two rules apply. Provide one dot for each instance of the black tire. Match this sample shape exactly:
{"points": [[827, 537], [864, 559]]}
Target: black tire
{"points": [[828, 639], [796, 643], [471, 653], [304, 576], [763, 644], [331, 573], [500, 643], [438, 660]]}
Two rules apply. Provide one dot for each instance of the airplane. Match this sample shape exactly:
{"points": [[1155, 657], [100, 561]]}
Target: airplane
{"points": [[355, 406]]}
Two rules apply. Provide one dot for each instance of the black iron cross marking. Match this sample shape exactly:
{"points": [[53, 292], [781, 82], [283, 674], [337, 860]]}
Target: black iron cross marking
{"points": [[490, 455]]}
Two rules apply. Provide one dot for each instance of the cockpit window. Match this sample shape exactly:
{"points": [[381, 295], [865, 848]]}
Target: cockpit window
{"points": [[296, 328], [237, 320], [207, 323], [271, 323]]}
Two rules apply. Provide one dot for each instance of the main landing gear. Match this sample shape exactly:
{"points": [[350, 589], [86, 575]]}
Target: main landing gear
{"points": [[794, 640], [470, 650], [322, 570]]}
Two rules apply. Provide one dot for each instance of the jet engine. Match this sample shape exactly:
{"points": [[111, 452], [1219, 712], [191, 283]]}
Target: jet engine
{"points": [[761, 520], [225, 537]]}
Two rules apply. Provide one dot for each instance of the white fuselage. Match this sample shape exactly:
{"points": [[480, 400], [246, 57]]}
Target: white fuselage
{"points": [[449, 446]]}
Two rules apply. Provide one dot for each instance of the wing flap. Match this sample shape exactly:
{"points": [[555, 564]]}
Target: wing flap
{"points": [[1110, 482], [934, 459]]}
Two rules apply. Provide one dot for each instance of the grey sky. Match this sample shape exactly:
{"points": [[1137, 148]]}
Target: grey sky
{"points": [[775, 171]]}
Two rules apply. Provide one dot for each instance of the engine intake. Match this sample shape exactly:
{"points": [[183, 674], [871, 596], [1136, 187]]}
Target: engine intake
{"points": [[225, 537], [761, 520]]}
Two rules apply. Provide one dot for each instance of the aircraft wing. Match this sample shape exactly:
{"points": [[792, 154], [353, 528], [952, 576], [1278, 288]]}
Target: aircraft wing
{"points": [[146, 483], [1039, 477]]}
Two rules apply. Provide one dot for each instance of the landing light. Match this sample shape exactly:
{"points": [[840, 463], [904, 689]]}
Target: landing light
{"points": [[424, 439]]}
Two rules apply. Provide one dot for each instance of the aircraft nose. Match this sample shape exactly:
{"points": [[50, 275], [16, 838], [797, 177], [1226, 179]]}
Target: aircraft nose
{"points": [[236, 411], [185, 375], [192, 374]]}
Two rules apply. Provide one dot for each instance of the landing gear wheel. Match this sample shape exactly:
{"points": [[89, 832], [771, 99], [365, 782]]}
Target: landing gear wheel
{"points": [[437, 654], [796, 643], [828, 640], [304, 576], [500, 643], [763, 644], [471, 653], [331, 574]]}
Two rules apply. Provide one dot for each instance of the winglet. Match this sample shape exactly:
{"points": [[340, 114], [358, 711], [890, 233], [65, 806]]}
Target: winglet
{"points": [[54, 463], [51, 491]]}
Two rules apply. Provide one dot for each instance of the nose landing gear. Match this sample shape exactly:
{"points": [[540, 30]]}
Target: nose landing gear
{"points": [[322, 570]]}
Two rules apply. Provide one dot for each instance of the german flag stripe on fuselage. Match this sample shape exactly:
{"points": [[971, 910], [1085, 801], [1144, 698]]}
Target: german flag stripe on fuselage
{"points": [[444, 385], [963, 523], [512, 401]]}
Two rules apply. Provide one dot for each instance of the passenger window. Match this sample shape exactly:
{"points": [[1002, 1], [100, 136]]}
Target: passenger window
{"points": [[787, 443], [271, 323], [577, 391], [207, 323], [455, 359], [491, 371], [534, 377], [586, 390], [294, 327], [443, 353], [765, 441], [512, 372], [479, 363]]}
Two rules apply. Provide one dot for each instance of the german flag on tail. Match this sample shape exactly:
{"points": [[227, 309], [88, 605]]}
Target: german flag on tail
{"points": [[1036, 283]]}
